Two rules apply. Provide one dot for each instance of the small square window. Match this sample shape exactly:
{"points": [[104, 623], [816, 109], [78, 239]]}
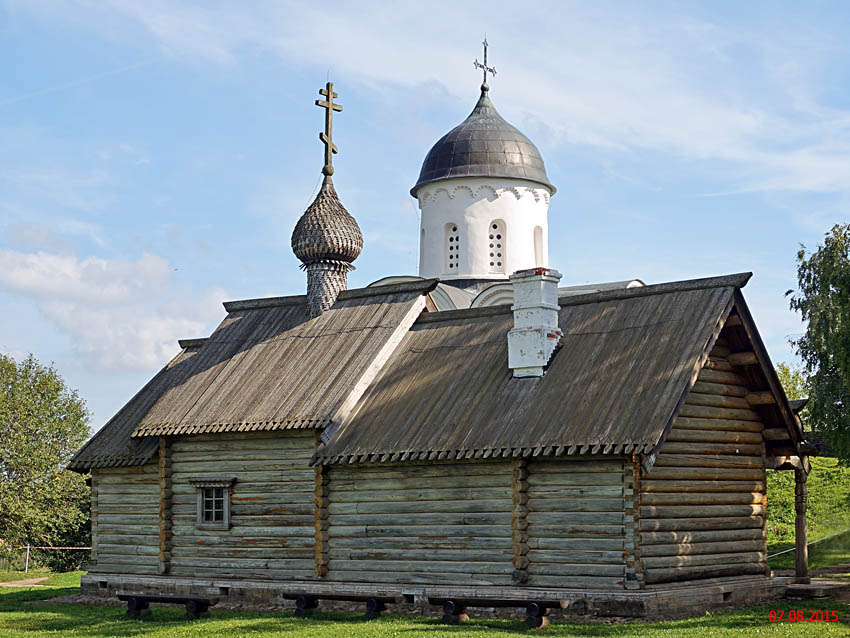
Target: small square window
{"points": [[213, 502]]}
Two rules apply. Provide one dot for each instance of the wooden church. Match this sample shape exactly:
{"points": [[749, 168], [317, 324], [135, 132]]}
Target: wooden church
{"points": [[473, 436]]}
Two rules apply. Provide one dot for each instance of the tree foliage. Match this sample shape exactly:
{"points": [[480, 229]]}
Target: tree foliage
{"points": [[823, 299], [42, 424], [796, 385]]}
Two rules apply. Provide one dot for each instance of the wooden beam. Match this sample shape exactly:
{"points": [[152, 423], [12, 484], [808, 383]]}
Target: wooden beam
{"points": [[776, 434], [519, 520], [743, 358], [733, 320], [761, 398]]}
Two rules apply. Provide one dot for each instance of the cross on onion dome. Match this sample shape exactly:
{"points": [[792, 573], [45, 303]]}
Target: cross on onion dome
{"points": [[327, 135], [484, 67]]}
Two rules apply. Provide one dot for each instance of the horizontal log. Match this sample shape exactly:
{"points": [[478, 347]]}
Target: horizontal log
{"points": [[709, 460], [685, 423], [575, 544], [228, 543], [436, 482], [128, 560], [109, 567], [761, 398], [258, 564], [421, 542], [418, 578], [569, 466], [253, 476], [416, 471], [717, 400], [283, 575], [417, 507], [707, 474], [728, 389], [282, 531], [297, 468], [581, 562], [577, 529], [130, 539], [149, 468], [777, 434], [253, 553], [448, 532], [423, 494], [253, 521], [569, 518], [720, 351], [415, 555], [127, 550], [742, 358], [699, 511], [547, 491], [433, 565], [698, 524], [682, 574], [244, 441], [576, 504], [713, 436], [696, 560], [577, 569], [128, 519], [704, 498], [149, 529], [435, 518], [688, 549], [709, 412], [542, 579], [649, 484], [274, 491], [253, 510], [725, 536], [718, 363], [709, 375], [746, 449], [575, 479]]}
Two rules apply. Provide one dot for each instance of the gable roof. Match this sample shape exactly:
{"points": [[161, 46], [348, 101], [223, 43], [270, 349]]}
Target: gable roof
{"points": [[266, 367], [626, 358]]}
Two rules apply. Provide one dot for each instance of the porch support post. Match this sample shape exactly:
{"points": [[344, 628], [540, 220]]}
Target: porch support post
{"points": [[800, 532]]}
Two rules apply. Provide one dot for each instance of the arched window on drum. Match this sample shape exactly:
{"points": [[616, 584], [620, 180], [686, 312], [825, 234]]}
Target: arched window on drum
{"points": [[452, 248], [496, 245]]}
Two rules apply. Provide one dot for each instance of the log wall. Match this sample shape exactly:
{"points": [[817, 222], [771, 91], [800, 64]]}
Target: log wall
{"points": [[702, 505], [272, 534], [576, 523], [125, 520], [436, 523]]}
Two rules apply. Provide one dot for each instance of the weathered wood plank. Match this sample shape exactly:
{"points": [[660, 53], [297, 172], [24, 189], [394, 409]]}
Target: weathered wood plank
{"points": [[700, 511], [702, 498], [693, 423], [708, 436], [696, 560], [722, 547], [717, 400], [700, 484], [704, 474], [726, 536], [697, 524], [709, 460], [708, 387], [709, 412]]}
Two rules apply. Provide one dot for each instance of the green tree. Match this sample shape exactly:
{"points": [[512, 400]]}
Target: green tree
{"points": [[823, 299], [796, 386], [42, 424]]}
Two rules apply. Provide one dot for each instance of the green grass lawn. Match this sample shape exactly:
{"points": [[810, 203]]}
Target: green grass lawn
{"points": [[19, 617]]}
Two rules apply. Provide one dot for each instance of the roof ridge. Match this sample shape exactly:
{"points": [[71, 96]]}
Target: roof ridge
{"points": [[423, 285], [736, 280]]}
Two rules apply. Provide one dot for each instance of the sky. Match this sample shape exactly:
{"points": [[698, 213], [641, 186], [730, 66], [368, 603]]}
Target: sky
{"points": [[155, 156]]}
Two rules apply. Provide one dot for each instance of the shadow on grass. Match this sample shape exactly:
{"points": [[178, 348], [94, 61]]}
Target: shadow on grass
{"points": [[89, 621]]}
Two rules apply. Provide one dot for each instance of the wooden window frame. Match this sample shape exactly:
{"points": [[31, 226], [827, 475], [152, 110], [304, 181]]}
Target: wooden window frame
{"points": [[226, 484]]}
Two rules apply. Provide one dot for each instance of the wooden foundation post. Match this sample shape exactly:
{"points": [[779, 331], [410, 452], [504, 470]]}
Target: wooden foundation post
{"points": [[519, 521], [322, 522], [800, 532]]}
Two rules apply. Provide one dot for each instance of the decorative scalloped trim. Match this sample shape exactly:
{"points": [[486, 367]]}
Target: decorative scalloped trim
{"points": [[514, 190], [441, 190], [487, 186], [465, 188], [533, 192]]}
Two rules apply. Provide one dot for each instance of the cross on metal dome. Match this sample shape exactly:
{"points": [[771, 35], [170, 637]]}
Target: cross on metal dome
{"points": [[327, 136], [484, 67]]}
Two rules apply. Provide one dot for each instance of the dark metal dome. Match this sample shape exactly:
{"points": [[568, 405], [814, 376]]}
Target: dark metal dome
{"points": [[483, 145], [326, 231]]}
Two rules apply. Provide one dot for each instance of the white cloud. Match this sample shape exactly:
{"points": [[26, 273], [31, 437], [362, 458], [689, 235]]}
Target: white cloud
{"points": [[611, 77], [119, 314]]}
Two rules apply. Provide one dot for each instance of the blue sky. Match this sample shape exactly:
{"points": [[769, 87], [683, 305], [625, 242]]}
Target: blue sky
{"points": [[154, 156]]}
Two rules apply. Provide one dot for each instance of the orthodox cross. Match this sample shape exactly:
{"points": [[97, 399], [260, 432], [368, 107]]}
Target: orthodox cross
{"points": [[484, 66], [327, 135]]}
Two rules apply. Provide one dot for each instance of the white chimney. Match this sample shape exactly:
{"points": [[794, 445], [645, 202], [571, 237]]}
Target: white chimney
{"points": [[535, 334]]}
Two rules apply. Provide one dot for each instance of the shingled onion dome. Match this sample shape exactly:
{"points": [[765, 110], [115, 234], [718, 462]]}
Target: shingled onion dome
{"points": [[326, 239]]}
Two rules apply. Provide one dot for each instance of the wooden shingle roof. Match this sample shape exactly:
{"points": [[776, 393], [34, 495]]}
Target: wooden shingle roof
{"points": [[625, 361], [266, 367]]}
